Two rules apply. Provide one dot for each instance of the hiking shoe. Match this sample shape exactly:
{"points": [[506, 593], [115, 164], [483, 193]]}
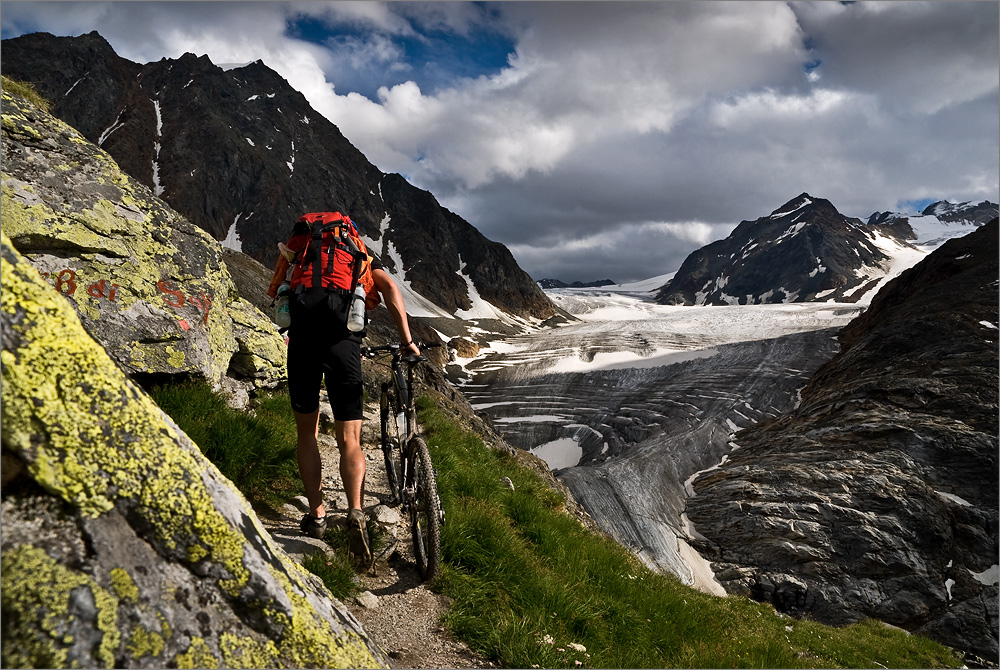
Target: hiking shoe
{"points": [[357, 537], [313, 527]]}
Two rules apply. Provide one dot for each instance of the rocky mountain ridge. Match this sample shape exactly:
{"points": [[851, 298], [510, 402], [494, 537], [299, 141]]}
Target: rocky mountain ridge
{"points": [[256, 158], [556, 283], [808, 251], [877, 496]]}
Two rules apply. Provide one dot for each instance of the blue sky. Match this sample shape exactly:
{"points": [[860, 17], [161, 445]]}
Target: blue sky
{"points": [[610, 139], [433, 58]]}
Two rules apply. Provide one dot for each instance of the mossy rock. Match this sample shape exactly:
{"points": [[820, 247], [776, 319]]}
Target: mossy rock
{"points": [[150, 286], [122, 545]]}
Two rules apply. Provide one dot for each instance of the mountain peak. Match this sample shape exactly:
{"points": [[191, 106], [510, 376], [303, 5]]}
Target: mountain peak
{"points": [[800, 202]]}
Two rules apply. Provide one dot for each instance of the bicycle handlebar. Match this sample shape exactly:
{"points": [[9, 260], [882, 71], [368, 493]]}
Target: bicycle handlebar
{"points": [[371, 352]]}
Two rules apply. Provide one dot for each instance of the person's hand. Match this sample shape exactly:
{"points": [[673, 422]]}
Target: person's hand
{"points": [[411, 349]]}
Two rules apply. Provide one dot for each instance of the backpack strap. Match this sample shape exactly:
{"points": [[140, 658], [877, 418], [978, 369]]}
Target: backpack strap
{"points": [[317, 263]]}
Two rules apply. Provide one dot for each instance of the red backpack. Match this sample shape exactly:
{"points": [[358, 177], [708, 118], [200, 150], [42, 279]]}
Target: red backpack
{"points": [[329, 255]]}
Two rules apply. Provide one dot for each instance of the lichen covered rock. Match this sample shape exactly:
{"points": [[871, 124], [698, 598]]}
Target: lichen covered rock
{"points": [[146, 283], [122, 545]]}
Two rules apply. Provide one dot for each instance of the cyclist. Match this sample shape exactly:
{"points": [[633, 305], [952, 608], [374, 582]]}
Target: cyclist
{"points": [[319, 345]]}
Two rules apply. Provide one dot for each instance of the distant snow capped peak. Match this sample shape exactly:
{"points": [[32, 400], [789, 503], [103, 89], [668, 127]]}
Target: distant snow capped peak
{"points": [[962, 212]]}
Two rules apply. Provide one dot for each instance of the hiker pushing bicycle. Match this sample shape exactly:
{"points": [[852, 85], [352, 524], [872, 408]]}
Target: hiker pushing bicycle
{"points": [[330, 280]]}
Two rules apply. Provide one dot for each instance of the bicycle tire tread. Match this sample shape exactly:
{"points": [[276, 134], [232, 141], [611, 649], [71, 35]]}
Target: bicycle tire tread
{"points": [[427, 551]]}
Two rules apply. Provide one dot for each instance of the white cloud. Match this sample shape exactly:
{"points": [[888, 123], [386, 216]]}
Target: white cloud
{"points": [[612, 115]]}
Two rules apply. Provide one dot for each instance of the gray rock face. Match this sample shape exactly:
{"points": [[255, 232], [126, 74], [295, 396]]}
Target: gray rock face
{"points": [[122, 545], [150, 286], [877, 496], [258, 157]]}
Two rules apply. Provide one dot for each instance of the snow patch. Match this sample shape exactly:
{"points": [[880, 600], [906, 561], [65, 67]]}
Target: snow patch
{"points": [[416, 304], [111, 129], [689, 482], [562, 453], [989, 577], [233, 240], [778, 215], [954, 498], [622, 360], [157, 187], [74, 85], [480, 309]]}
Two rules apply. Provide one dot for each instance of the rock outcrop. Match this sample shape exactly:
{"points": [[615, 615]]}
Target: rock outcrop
{"points": [[259, 156], [122, 545], [877, 496], [150, 286]]}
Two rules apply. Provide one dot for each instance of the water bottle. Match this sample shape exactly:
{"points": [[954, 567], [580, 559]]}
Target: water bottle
{"points": [[282, 314], [356, 317]]}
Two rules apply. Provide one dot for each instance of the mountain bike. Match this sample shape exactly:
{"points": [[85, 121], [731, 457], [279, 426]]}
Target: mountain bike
{"points": [[408, 465]]}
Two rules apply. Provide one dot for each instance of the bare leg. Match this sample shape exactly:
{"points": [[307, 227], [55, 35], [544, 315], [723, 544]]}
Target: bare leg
{"points": [[310, 464], [352, 461]]}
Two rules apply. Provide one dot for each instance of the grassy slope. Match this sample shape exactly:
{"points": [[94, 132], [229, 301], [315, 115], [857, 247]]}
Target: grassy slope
{"points": [[531, 586], [529, 581]]}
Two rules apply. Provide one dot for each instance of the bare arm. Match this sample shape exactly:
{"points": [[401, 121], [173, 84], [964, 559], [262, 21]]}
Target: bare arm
{"points": [[394, 303]]}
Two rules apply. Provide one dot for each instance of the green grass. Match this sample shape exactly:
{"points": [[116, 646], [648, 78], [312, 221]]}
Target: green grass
{"points": [[531, 586], [335, 570], [255, 450], [528, 581], [26, 91]]}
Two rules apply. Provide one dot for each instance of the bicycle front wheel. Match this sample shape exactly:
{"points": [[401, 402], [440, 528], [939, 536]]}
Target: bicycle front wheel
{"points": [[425, 512]]}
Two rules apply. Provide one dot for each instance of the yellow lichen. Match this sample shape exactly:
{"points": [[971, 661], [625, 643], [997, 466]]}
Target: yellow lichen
{"points": [[40, 590], [124, 585], [143, 642], [175, 358], [103, 438], [307, 639], [242, 652], [92, 438], [198, 655]]}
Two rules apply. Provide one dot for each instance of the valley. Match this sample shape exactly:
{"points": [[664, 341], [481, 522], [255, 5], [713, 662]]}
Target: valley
{"points": [[636, 398]]}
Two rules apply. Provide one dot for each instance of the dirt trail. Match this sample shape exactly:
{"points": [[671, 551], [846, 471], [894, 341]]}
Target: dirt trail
{"points": [[399, 612]]}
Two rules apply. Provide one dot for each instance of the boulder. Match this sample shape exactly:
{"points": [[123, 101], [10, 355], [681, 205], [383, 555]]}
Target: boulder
{"points": [[463, 347], [146, 283], [122, 545]]}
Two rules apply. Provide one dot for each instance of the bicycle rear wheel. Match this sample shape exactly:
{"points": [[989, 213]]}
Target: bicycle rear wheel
{"points": [[391, 451], [425, 512]]}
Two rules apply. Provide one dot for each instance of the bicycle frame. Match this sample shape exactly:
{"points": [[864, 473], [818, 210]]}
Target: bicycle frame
{"points": [[414, 486], [398, 389]]}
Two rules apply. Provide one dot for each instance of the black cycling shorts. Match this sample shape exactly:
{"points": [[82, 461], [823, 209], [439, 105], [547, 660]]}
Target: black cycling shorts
{"points": [[318, 348]]}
